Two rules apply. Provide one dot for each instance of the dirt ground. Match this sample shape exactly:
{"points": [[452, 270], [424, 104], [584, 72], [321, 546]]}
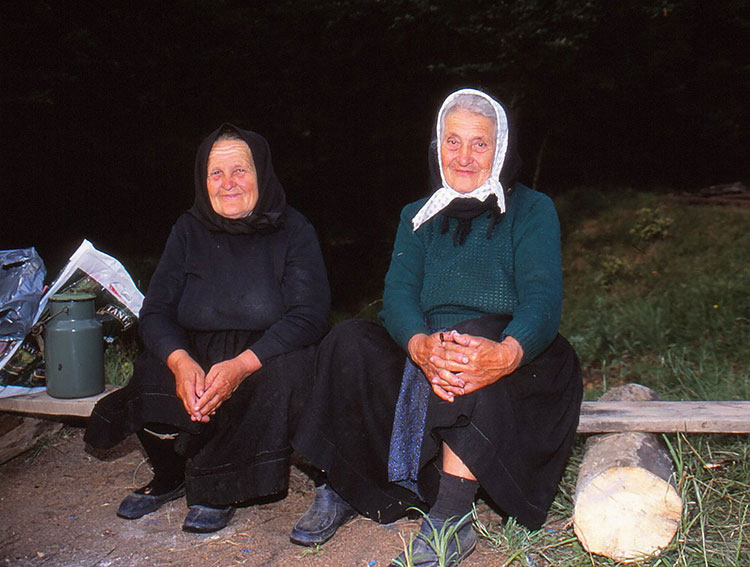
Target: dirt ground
{"points": [[58, 502]]}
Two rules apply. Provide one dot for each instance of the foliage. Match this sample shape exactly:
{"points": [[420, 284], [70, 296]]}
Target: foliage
{"points": [[651, 224], [611, 267], [515, 543], [674, 315], [119, 357], [312, 551], [439, 540]]}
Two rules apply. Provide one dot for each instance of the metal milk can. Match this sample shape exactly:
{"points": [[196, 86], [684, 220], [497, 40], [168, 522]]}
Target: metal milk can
{"points": [[73, 348]]}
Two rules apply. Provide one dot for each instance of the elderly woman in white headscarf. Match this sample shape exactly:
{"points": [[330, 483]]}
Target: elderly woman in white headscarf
{"points": [[467, 383]]}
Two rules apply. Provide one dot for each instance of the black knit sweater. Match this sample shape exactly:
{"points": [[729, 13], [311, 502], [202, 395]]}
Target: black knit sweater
{"points": [[274, 283]]}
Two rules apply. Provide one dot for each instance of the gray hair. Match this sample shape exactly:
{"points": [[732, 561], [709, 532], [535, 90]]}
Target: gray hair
{"points": [[228, 134], [473, 103]]}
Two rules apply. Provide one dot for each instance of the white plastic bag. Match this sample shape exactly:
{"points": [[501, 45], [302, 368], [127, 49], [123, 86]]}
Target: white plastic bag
{"points": [[118, 300]]}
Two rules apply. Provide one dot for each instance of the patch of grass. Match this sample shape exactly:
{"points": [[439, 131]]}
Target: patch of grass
{"points": [[671, 312], [657, 292], [312, 551], [48, 442], [439, 541], [518, 546], [119, 357]]}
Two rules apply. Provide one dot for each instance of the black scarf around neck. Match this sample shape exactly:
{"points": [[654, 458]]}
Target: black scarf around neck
{"points": [[466, 210]]}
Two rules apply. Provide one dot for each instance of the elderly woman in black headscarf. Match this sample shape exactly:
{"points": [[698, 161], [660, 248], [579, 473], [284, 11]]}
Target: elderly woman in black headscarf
{"points": [[467, 382], [229, 323]]}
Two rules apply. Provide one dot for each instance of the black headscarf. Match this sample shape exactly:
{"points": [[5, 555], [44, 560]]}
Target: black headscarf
{"points": [[270, 210]]}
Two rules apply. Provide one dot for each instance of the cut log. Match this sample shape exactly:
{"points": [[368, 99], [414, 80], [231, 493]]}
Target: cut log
{"points": [[626, 505], [19, 434]]}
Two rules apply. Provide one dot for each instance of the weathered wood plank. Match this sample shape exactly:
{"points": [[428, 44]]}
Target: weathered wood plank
{"points": [[665, 417], [42, 403], [596, 417]]}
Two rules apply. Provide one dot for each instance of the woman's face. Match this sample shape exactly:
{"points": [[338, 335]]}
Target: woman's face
{"points": [[467, 149], [232, 181]]}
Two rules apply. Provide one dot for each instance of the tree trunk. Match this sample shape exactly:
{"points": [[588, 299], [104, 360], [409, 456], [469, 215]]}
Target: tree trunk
{"points": [[538, 166], [626, 505]]}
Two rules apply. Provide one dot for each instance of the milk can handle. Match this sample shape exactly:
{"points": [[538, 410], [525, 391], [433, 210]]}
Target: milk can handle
{"points": [[37, 330]]}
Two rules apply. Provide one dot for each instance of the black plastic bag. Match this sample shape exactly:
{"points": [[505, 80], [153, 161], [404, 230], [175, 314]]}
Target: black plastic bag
{"points": [[22, 274]]}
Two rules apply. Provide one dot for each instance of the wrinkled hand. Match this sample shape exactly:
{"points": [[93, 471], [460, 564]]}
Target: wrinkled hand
{"points": [[189, 381], [222, 379], [429, 353], [477, 361]]}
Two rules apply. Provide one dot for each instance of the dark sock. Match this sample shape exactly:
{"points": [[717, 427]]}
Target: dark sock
{"points": [[168, 466], [455, 497]]}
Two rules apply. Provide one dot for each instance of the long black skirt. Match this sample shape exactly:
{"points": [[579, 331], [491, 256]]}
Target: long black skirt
{"points": [[243, 452], [514, 435]]}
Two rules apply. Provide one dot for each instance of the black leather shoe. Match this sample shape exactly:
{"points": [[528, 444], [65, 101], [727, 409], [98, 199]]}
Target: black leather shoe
{"points": [[326, 514], [205, 519], [424, 549], [143, 501]]}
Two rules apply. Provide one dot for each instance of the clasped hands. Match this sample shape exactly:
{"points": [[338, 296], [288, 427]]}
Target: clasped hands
{"points": [[456, 364], [202, 393]]}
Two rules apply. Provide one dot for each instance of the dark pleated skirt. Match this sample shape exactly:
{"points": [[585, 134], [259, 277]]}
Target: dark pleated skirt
{"points": [[514, 435], [243, 452]]}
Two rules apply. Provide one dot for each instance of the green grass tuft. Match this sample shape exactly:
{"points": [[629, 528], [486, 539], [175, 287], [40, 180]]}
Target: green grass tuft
{"points": [[439, 541]]}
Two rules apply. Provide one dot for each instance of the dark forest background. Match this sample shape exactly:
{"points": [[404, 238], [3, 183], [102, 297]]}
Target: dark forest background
{"points": [[104, 103]]}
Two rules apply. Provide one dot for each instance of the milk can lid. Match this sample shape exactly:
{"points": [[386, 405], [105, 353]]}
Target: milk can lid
{"points": [[73, 296]]}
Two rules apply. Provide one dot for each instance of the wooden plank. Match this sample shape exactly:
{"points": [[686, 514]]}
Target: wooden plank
{"points": [[596, 417], [665, 417], [42, 403]]}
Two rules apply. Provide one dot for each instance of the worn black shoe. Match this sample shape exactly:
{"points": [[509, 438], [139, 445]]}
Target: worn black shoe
{"points": [[326, 514], [205, 519], [426, 549], [144, 501]]}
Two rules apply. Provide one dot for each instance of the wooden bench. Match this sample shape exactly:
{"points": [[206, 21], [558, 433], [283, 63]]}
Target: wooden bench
{"points": [[625, 506], [596, 417], [665, 417], [41, 403]]}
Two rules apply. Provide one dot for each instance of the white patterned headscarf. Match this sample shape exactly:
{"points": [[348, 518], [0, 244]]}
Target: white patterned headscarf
{"points": [[443, 196]]}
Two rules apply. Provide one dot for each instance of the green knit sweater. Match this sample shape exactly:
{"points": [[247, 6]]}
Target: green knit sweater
{"points": [[433, 284]]}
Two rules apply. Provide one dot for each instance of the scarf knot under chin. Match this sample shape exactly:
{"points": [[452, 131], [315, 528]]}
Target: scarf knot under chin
{"points": [[466, 210]]}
